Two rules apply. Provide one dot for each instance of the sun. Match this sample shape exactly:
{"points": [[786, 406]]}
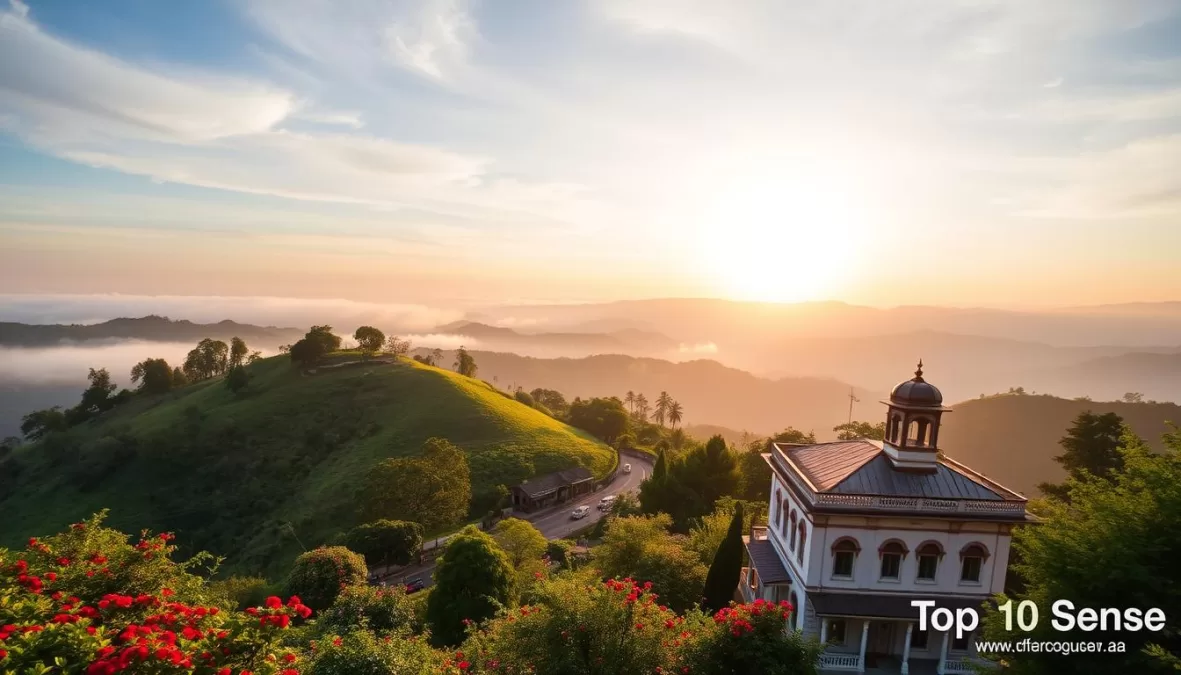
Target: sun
{"points": [[780, 239]]}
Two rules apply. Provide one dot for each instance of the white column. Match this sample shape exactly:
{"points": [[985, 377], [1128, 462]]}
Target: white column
{"points": [[942, 668], [906, 650], [864, 640], [823, 631]]}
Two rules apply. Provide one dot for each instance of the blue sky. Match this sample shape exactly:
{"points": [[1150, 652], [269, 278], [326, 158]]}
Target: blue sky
{"points": [[999, 152]]}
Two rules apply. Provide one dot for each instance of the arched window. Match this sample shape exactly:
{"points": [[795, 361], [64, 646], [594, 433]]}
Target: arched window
{"points": [[792, 545], [972, 559], [803, 538], [891, 553], [795, 611], [786, 505], [912, 432], [928, 554], [778, 508], [844, 556], [895, 427]]}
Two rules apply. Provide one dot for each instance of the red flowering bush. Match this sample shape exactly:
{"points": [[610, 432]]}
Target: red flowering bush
{"points": [[751, 639], [89, 601], [320, 575], [363, 653]]}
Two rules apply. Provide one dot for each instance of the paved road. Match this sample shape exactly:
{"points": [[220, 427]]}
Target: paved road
{"points": [[556, 523]]}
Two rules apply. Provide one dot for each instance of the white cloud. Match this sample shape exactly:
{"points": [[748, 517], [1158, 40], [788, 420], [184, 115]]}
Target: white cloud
{"points": [[19, 8], [61, 91]]}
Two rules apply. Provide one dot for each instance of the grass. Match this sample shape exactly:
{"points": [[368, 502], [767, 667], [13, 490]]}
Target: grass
{"points": [[259, 475]]}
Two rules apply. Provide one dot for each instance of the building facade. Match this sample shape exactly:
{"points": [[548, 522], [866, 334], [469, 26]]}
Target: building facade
{"points": [[858, 529]]}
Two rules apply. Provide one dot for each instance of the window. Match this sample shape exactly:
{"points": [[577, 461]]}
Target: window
{"points": [[928, 555], [971, 562], [786, 506], [960, 644], [792, 546], [918, 638], [844, 554], [892, 552], [836, 631], [778, 509], [800, 550]]}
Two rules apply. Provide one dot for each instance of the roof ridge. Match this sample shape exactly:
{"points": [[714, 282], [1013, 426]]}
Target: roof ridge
{"points": [[974, 475]]}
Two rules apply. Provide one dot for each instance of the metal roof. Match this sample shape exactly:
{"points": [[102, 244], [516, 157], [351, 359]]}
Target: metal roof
{"points": [[827, 464], [882, 605], [764, 559], [543, 485], [879, 477]]}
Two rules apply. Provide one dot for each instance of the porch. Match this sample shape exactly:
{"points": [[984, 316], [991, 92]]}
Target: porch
{"points": [[862, 645]]}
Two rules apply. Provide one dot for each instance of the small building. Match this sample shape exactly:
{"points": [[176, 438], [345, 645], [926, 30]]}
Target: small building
{"points": [[860, 528], [552, 488]]}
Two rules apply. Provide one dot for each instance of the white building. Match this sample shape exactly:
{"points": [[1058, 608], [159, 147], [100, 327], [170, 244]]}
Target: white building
{"points": [[858, 529]]}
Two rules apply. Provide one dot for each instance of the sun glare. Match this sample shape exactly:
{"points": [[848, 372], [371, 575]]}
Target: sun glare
{"points": [[787, 239]]}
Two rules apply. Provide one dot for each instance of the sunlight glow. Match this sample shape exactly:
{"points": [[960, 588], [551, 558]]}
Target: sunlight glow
{"points": [[785, 238]]}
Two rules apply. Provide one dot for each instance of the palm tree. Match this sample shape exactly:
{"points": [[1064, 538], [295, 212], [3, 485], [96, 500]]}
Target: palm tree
{"points": [[662, 403], [675, 412], [641, 412], [630, 400]]}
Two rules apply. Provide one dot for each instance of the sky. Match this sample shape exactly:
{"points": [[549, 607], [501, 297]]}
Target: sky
{"points": [[975, 152]]}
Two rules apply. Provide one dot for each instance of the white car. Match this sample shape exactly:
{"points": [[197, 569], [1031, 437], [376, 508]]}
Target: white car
{"points": [[627, 468], [579, 513], [606, 502]]}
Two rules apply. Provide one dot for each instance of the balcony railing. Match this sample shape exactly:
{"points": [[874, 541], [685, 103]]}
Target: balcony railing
{"points": [[836, 661], [758, 532], [966, 665], [919, 504]]}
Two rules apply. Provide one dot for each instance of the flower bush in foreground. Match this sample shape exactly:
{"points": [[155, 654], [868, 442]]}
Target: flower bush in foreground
{"points": [[88, 601]]}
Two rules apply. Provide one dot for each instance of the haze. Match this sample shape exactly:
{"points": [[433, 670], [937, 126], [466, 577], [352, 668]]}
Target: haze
{"points": [[452, 152]]}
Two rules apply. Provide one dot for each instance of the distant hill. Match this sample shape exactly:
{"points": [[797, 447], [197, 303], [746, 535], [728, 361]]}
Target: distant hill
{"points": [[1013, 439], [710, 392], [227, 472], [624, 341], [1156, 376], [706, 431], [153, 328]]}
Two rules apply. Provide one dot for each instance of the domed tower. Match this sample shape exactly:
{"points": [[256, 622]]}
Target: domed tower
{"points": [[912, 424]]}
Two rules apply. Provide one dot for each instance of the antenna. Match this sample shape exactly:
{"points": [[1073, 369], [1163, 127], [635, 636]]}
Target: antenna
{"points": [[852, 399]]}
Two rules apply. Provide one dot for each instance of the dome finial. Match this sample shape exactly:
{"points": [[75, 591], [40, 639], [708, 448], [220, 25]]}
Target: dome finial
{"points": [[918, 374]]}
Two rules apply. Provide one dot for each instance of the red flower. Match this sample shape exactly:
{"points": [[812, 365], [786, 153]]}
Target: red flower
{"points": [[63, 561], [464, 665], [294, 601], [224, 671], [274, 602], [289, 658], [167, 592]]}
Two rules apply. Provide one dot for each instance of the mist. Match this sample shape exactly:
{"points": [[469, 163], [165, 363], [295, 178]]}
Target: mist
{"points": [[69, 364]]}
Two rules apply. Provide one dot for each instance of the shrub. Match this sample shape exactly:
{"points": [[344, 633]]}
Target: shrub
{"points": [[241, 592], [381, 610], [361, 653], [319, 576], [386, 542], [751, 639], [473, 580]]}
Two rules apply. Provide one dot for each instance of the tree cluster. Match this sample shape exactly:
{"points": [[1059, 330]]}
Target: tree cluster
{"points": [[667, 409], [433, 489], [316, 343], [689, 486], [601, 417]]}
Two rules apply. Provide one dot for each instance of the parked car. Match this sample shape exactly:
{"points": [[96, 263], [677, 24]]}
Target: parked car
{"points": [[627, 468], [579, 513], [606, 503], [415, 585]]}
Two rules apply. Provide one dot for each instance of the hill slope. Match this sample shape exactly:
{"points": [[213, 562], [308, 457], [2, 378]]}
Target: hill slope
{"points": [[227, 471], [1013, 439], [153, 328]]}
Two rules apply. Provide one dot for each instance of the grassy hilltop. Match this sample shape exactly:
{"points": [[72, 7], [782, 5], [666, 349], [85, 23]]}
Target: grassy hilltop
{"points": [[228, 471]]}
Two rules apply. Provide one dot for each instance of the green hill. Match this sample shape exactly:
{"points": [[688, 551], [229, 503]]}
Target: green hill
{"points": [[1014, 439], [228, 471]]}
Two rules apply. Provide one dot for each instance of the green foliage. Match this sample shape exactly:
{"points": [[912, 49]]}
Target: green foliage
{"points": [[603, 417], [692, 485], [523, 396], [751, 639], [242, 592], [397, 346], [153, 375], [238, 352], [369, 339], [38, 423], [641, 547], [433, 490], [362, 653], [558, 552], [1090, 446], [209, 358], [756, 473], [524, 546], [473, 580], [320, 575], [722, 580], [1115, 543], [385, 611], [386, 542], [465, 364], [853, 430], [237, 379], [552, 400]]}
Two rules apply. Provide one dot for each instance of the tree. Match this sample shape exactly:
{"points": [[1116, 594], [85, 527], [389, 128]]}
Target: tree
{"points": [[663, 403], [434, 490], [307, 353], [711, 472], [553, 401], [630, 400], [641, 408], [368, 610], [237, 379], [524, 546], [397, 346], [238, 352], [854, 430], [523, 396], [318, 576], [39, 423], [464, 363], [1133, 397], [722, 580], [97, 396], [208, 359], [1091, 446], [386, 542], [154, 376], [675, 413], [603, 417], [660, 468], [179, 379], [1113, 543], [640, 547], [369, 339], [324, 335], [473, 579]]}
